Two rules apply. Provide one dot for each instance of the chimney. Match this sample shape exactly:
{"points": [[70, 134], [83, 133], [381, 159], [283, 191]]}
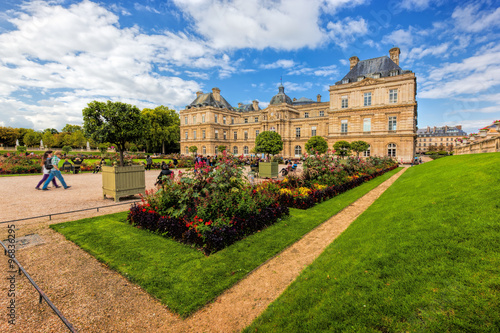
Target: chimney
{"points": [[459, 127], [240, 105], [428, 129], [216, 94], [198, 93], [255, 105], [394, 54], [294, 99], [434, 129], [353, 61], [318, 98]]}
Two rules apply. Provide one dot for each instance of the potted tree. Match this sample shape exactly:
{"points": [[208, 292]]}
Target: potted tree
{"points": [[316, 144], [342, 148], [116, 123], [359, 146], [268, 142]]}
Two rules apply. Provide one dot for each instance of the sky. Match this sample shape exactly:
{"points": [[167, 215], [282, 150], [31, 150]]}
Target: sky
{"points": [[56, 56]]}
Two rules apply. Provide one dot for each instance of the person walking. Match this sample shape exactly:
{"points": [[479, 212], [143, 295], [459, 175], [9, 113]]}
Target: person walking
{"points": [[149, 162], [54, 171], [46, 172]]}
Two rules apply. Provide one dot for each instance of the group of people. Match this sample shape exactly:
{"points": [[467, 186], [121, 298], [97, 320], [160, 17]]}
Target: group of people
{"points": [[50, 167]]}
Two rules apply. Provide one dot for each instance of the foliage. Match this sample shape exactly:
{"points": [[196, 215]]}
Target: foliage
{"points": [[9, 135], [21, 149], [72, 128], [268, 142], [103, 148], [316, 144], [193, 149], [359, 146], [113, 122], [66, 149], [162, 126], [221, 148], [133, 148], [32, 138], [342, 148], [20, 164]]}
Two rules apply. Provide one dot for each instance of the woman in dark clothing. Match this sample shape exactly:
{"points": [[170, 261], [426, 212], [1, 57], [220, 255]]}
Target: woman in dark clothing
{"points": [[165, 172]]}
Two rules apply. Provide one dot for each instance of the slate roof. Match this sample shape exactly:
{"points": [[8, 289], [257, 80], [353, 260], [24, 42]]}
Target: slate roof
{"points": [[281, 97], [381, 65], [246, 108], [302, 101], [209, 100]]}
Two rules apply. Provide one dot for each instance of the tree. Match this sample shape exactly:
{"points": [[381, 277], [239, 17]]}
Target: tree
{"points": [[113, 122], [48, 139], [8, 135], [50, 130], [66, 149], [268, 142], [316, 144], [221, 148], [342, 148], [72, 128], [193, 149], [359, 146], [21, 149], [162, 127], [32, 138]]}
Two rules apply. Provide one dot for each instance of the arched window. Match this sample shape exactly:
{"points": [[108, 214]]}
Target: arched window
{"points": [[204, 150], [216, 150], [235, 150], [391, 150], [245, 150], [367, 152], [298, 150], [187, 150]]}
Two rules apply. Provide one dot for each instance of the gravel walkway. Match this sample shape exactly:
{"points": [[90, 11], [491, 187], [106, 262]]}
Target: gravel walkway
{"points": [[96, 299]]}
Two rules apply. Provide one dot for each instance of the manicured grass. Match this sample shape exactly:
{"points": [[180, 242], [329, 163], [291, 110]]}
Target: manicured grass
{"points": [[425, 257], [182, 277]]}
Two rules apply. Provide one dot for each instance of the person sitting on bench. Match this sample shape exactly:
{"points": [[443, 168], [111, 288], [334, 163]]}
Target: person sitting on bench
{"points": [[67, 166]]}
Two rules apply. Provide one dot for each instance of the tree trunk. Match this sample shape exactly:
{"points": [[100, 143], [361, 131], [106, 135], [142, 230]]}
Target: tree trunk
{"points": [[163, 147]]}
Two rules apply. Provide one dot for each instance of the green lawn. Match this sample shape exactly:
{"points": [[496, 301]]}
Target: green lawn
{"points": [[425, 257], [182, 277]]}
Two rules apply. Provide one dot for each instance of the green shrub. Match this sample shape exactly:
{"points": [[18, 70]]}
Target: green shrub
{"points": [[21, 149]]}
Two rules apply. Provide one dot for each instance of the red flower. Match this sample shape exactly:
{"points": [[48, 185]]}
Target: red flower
{"points": [[208, 223], [144, 209]]}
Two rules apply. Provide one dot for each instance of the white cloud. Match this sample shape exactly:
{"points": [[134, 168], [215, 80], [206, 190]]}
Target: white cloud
{"points": [[332, 6], [281, 63], [292, 86], [198, 75], [471, 19], [414, 5], [347, 30], [319, 71]]}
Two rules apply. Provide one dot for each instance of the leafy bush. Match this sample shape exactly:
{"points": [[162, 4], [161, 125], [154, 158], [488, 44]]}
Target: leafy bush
{"points": [[21, 149]]}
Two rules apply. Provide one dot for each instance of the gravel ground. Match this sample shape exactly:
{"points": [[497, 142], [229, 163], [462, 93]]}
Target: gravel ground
{"points": [[96, 299]]}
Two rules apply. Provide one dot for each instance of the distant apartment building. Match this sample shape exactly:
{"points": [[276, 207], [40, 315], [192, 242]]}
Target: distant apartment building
{"points": [[440, 138], [374, 102]]}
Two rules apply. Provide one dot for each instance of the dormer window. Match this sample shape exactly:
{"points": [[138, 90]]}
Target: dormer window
{"points": [[344, 81], [394, 72], [360, 78], [376, 76]]}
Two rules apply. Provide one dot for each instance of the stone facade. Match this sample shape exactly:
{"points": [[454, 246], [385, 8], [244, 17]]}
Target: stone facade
{"points": [[375, 102], [487, 142], [441, 138]]}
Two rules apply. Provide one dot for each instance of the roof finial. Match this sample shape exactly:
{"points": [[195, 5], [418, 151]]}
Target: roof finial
{"points": [[281, 80]]}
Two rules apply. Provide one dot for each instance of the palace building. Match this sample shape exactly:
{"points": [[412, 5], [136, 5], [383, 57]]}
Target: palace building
{"points": [[374, 102]]}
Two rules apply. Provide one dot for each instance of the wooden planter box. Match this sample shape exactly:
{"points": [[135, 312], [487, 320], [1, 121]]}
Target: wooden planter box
{"points": [[123, 181], [268, 169]]}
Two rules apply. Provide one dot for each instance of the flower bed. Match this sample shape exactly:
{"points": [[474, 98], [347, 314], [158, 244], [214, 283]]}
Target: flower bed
{"points": [[214, 207], [20, 164]]}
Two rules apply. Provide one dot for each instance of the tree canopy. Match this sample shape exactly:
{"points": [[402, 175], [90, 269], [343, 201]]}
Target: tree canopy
{"points": [[162, 127], [342, 148], [316, 144], [268, 142], [113, 122], [359, 146]]}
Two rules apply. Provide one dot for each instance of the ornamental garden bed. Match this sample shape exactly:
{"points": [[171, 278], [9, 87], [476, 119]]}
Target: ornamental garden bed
{"points": [[214, 207]]}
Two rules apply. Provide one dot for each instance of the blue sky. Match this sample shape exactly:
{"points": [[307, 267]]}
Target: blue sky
{"points": [[56, 56]]}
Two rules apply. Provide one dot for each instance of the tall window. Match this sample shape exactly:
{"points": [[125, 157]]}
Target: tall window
{"points": [[194, 119], [245, 134], [257, 133], [216, 134], [216, 117], [186, 135], [185, 120], [393, 96], [216, 150], [313, 131], [202, 118], [194, 134], [187, 150], [297, 132], [235, 150], [236, 135], [256, 119], [343, 126], [344, 102], [368, 99], [298, 150], [322, 113], [232, 120], [224, 135], [246, 120], [392, 123], [204, 150], [367, 124], [224, 120], [366, 153], [306, 114], [203, 136], [391, 150]]}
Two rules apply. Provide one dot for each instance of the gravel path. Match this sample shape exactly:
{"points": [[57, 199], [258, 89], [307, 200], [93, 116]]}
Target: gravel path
{"points": [[96, 299]]}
